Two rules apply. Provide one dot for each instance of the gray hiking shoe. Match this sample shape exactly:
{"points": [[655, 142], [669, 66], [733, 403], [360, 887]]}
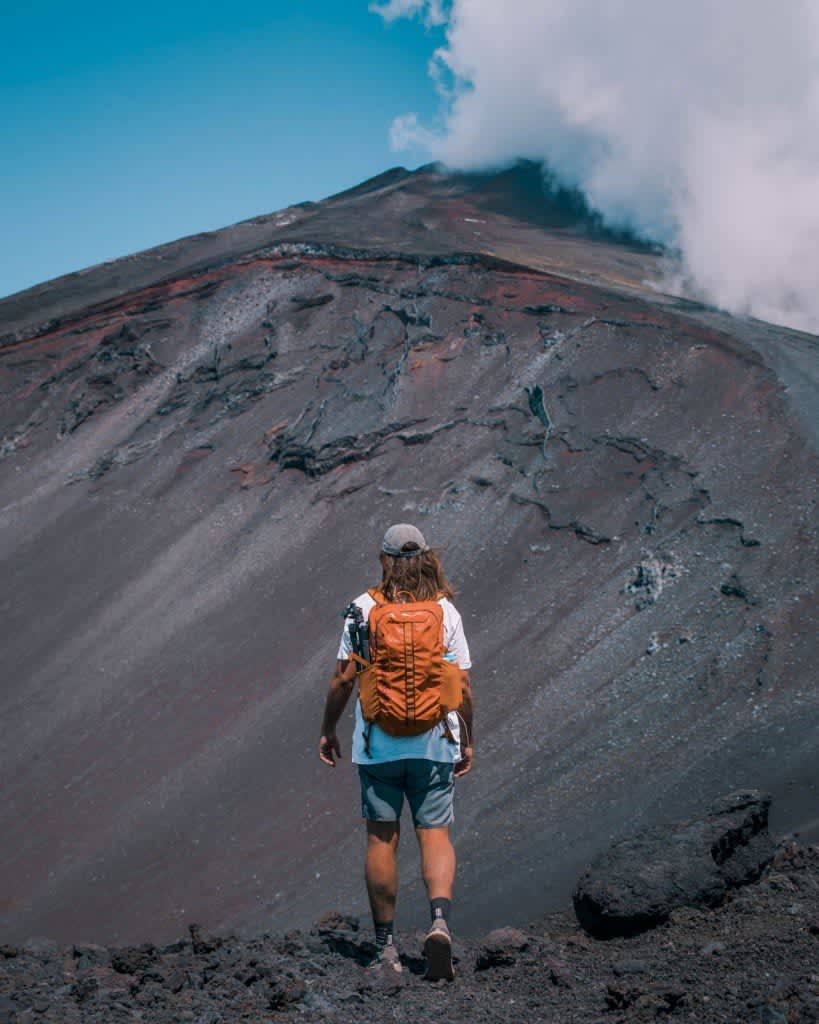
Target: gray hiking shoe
{"points": [[438, 952], [386, 959]]}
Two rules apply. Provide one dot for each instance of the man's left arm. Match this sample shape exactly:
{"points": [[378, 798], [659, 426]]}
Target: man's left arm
{"points": [[457, 646], [341, 686], [464, 765]]}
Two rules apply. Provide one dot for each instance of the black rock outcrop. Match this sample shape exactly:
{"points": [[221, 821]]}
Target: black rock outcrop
{"points": [[635, 885]]}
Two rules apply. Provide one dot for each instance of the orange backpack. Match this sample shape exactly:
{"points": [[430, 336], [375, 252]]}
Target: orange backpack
{"points": [[407, 687]]}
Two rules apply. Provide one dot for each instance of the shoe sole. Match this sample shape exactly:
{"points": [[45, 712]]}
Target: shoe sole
{"points": [[438, 953]]}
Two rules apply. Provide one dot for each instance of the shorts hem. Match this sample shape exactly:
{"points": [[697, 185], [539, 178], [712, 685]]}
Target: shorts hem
{"points": [[444, 824]]}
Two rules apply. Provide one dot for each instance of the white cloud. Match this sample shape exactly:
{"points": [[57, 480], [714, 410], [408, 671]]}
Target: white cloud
{"points": [[431, 12], [407, 132], [695, 123]]}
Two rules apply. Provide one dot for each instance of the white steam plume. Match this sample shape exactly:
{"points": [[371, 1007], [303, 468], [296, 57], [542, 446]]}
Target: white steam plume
{"points": [[694, 123]]}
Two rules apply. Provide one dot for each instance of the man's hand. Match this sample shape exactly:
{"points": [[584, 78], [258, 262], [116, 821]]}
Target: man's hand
{"points": [[329, 749], [341, 686], [464, 766]]}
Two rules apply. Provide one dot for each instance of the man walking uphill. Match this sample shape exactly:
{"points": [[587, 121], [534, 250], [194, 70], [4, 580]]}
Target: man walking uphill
{"points": [[403, 642]]}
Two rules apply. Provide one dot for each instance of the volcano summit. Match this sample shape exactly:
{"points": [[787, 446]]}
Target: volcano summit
{"points": [[201, 447]]}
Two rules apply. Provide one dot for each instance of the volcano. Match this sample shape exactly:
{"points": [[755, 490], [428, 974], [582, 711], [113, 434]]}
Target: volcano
{"points": [[202, 445]]}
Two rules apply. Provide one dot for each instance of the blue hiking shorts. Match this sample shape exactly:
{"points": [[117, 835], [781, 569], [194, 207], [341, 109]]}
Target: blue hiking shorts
{"points": [[429, 787]]}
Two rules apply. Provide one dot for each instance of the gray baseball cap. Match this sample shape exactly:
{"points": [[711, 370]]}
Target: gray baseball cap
{"points": [[399, 535]]}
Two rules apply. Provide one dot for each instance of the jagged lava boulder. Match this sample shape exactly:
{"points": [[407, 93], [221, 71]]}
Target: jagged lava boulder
{"points": [[501, 948], [637, 882]]}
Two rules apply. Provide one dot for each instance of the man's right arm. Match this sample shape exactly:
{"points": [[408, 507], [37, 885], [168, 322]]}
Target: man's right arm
{"points": [[341, 686]]}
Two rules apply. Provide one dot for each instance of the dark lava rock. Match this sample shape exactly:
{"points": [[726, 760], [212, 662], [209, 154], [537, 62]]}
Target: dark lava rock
{"points": [[340, 933], [317, 1003], [558, 972], [311, 301], [658, 997], [501, 948], [91, 953], [42, 948], [175, 979], [381, 981], [85, 987], [638, 882], [293, 944], [285, 991], [134, 959], [623, 967], [180, 946], [203, 941], [335, 921]]}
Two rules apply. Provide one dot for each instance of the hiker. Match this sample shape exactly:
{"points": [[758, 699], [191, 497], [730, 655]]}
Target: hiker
{"points": [[413, 731]]}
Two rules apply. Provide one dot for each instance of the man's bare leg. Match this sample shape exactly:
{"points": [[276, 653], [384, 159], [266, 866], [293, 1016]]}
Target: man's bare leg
{"points": [[381, 869], [437, 861], [438, 869]]}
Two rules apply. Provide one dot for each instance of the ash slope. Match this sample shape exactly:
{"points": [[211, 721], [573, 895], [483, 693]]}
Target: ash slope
{"points": [[201, 447]]}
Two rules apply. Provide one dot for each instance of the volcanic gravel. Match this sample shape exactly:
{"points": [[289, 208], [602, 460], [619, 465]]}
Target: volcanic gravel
{"points": [[753, 958]]}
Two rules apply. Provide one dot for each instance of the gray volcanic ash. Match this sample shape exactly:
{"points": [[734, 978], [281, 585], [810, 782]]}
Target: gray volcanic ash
{"points": [[201, 446]]}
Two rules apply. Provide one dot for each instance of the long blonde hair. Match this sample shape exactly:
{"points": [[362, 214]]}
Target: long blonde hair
{"points": [[421, 576]]}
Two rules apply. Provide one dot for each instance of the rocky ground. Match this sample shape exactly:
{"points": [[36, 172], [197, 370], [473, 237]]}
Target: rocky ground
{"points": [[755, 957]]}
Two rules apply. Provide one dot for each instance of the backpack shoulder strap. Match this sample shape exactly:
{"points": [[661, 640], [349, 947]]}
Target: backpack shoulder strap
{"points": [[377, 596]]}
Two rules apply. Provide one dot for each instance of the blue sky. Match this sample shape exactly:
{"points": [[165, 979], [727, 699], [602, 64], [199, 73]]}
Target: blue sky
{"points": [[123, 126]]}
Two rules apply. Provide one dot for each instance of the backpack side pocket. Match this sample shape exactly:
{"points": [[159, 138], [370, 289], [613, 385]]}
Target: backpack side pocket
{"points": [[452, 694], [368, 693]]}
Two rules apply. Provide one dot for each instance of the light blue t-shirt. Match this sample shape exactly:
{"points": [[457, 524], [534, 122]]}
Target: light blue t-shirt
{"points": [[434, 745]]}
